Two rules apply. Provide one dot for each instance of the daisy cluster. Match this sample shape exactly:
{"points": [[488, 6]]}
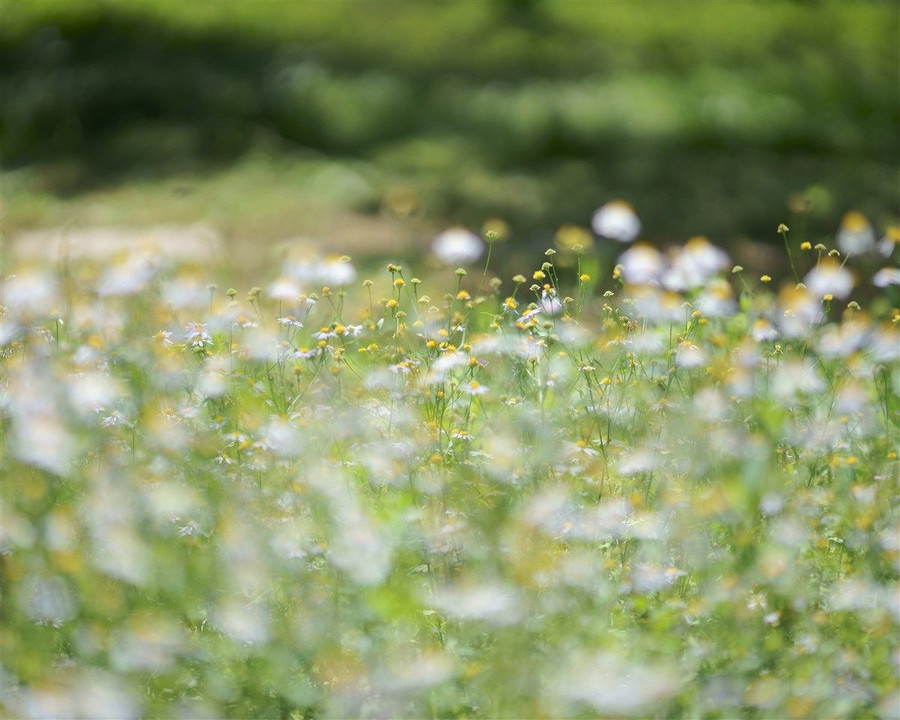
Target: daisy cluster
{"points": [[667, 489]]}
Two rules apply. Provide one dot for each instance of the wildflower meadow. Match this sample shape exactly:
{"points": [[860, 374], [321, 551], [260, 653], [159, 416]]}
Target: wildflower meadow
{"points": [[622, 482]]}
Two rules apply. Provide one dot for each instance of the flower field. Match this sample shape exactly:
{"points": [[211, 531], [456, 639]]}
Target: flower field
{"points": [[659, 489]]}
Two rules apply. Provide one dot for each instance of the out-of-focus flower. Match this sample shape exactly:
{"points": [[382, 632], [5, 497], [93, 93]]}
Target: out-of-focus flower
{"points": [[648, 578], [30, 293], [186, 292], [689, 355], [475, 388], [855, 235], [612, 686], [829, 278], [46, 599], [79, 693], [262, 344], [284, 289], [312, 270], [844, 339], [39, 435], [197, 334], [401, 200], [616, 220], [884, 345], [282, 437], [642, 264], [890, 240], [886, 276], [694, 264], [149, 643], [550, 304], [493, 602], [717, 299], [637, 462], [573, 238], [130, 274], [655, 304], [421, 670], [457, 246], [244, 622], [795, 378], [763, 331], [495, 229], [647, 343], [800, 311], [93, 390], [213, 379]]}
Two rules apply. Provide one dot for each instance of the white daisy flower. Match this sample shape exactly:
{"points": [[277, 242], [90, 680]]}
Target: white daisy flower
{"points": [[886, 276], [457, 246], [694, 264], [616, 220], [550, 305], [688, 355], [855, 235], [642, 264], [829, 278], [284, 289]]}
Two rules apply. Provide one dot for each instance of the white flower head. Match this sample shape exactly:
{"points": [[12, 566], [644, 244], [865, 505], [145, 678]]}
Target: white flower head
{"points": [[694, 264], [717, 299], [284, 288], [457, 246], [308, 269], [763, 331], [186, 292], [491, 602], [654, 304], [855, 235], [31, 293], [642, 264], [616, 220], [886, 276], [550, 305], [796, 377], [129, 275], [799, 311], [890, 240], [92, 390], [829, 278], [688, 355], [338, 271], [705, 255]]}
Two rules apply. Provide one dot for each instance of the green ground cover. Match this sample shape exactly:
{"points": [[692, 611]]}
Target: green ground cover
{"points": [[709, 119]]}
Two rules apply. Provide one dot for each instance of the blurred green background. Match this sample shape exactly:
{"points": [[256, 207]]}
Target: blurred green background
{"points": [[372, 124]]}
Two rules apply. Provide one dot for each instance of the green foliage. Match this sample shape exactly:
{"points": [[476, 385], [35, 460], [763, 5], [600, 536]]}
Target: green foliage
{"points": [[531, 111]]}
